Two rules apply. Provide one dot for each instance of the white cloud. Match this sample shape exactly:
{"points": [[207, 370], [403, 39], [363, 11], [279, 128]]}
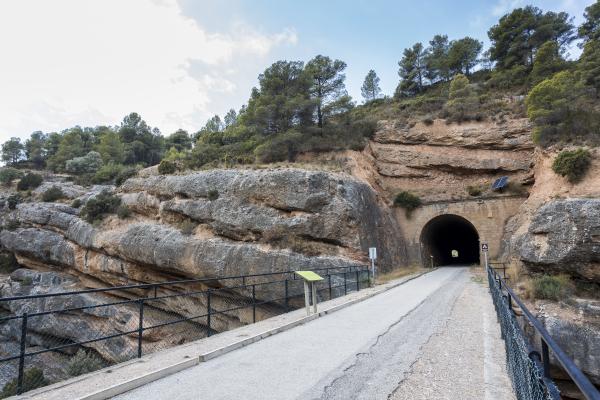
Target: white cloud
{"points": [[90, 62]]}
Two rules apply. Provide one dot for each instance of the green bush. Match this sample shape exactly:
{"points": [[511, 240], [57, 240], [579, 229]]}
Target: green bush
{"points": [[88, 164], [83, 363], [30, 181], [98, 207], [408, 201], [13, 200], [572, 164], [125, 174], [107, 173], [8, 263], [213, 194], [33, 378], [8, 174], [551, 287], [167, 167], [76, 203], [123, 212], [474, 191], [53, 194]]}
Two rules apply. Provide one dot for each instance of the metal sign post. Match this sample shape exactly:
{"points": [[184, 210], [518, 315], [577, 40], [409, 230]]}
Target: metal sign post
{"points": [[310, 278], [484, 250], [372, 257]]}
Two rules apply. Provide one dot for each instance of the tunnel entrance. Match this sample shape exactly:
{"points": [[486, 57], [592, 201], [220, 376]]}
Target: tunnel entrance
{"points": [[450, 239]]}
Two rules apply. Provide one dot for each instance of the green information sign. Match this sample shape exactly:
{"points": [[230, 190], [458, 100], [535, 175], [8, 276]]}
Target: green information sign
{"points": [[309, 276]]}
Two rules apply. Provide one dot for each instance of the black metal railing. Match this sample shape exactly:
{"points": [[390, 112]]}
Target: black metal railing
{"points": [[100, 327], [529, 370]]}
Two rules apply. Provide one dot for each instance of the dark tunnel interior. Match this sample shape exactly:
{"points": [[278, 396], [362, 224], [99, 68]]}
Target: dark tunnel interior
{"points": [[450, 239]]}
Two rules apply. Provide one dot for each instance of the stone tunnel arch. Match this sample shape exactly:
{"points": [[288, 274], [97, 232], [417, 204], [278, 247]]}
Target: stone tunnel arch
{"points": [[450, 239]]}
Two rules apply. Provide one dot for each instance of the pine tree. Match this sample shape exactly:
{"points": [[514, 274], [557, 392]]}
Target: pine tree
{"points": [[370, 88], [412, 70]]}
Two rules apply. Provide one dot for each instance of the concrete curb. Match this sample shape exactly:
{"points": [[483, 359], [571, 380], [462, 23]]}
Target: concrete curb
{"points": [[143, 379]]}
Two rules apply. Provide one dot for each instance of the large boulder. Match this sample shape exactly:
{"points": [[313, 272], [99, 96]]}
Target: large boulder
{"points": [[564, 236]]}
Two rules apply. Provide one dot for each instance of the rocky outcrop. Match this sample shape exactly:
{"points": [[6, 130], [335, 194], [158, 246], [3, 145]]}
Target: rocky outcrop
{"points": [[564, 236], [512, 134], [439, 161]]}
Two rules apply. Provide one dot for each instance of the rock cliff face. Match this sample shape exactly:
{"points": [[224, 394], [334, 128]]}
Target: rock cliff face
{"points": [[202, 225], [564, 236], [439, 161]]}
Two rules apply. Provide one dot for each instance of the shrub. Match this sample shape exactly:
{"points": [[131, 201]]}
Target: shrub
{"points": [[52, 194], [90, 163], [83, 363], [107, 173], [125, 174], [98, 207], [408, 201], [551, 287], [123, 212], [213, 194], [76, 203], [33, 378], [27, 281], [30, 181], [8, 174], [188, 226], [427, 120], [474, 191], [572, 164], [13, 200], [8, 263], [167, 167]]}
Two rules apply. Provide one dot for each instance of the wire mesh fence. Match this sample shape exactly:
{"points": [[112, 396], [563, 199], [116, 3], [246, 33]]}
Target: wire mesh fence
{"points": [[50, 337], [527, 378], [528, 368]]}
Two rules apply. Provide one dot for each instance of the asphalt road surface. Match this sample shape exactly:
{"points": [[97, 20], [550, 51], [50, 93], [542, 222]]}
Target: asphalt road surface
{"points": [[433, 337]]}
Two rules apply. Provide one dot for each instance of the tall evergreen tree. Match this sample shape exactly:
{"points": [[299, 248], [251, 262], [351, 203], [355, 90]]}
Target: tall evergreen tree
{"points": [[463, 55], [519, 34], [230, 118], [590, 29], [12, 150], [34, 149], [327, 85], [436, 61], [370, 89], [412, 70]]}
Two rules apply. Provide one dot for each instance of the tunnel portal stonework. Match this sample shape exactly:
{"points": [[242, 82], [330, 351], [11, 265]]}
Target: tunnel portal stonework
{"points": [[487, 215]]}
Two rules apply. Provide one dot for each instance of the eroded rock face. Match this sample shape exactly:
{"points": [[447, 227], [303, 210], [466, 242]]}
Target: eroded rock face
{"points": [[564, 236], [243, 222], [440, 161]]}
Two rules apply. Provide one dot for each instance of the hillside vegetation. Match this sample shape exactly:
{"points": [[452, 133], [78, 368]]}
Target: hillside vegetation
{"points": [[302, 107]]}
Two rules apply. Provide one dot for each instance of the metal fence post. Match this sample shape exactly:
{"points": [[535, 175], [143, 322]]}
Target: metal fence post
{"points": [[545, 359], [357, 281], [22, 354], [140, 327], [253, 303], [208, 311], [286, 296], [329, 279], [345, 284]]}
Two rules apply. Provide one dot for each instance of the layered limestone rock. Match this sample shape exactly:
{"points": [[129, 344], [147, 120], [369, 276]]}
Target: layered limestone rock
{"points": [[237, 222], [440, 161]]}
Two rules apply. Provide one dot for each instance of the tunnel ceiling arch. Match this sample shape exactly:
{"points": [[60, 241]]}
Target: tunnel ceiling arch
{"points": [[450, 239]]}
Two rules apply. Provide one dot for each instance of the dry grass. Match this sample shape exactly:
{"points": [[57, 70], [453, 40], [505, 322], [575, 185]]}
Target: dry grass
{"points": [[399, 273]]}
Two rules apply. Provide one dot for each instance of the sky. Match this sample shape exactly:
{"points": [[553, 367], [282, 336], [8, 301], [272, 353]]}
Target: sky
{"points": [[179, 62]]}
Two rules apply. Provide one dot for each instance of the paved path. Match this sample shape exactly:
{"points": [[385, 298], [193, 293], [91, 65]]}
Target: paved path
{"points": [[377, 349]]}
